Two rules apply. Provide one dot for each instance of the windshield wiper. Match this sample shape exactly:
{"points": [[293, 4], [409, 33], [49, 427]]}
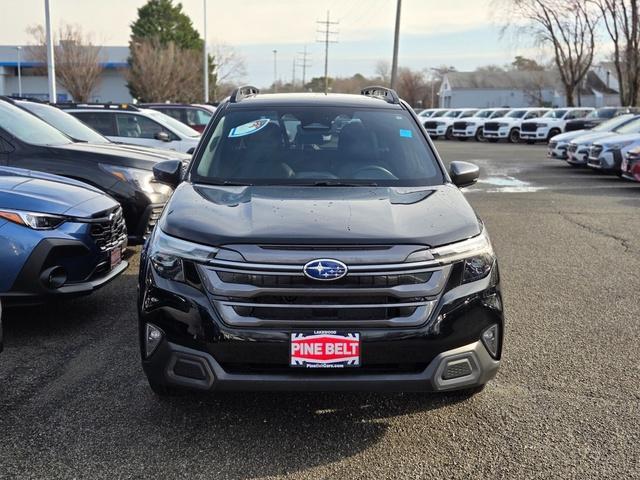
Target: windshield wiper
{"points": [[229, 183]]}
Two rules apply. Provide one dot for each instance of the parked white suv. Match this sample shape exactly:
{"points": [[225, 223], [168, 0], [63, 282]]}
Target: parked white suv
{"points": [[473, 127], [443, 126], [551, 124], [508, 127], [136, 126]]}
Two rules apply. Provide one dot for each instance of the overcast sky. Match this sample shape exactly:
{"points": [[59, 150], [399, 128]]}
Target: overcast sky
{"points": [[434, 32]]}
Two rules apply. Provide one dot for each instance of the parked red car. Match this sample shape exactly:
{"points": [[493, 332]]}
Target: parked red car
{"points": [[631, 165], [197, 116]]}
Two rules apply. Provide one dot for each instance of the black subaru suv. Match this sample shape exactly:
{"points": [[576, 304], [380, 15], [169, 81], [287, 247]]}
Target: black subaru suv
{"points": [[317, 242]]}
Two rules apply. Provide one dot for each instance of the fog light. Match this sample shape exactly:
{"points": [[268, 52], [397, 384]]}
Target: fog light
{"points": [[490, 339], [457, 369], [152, 339]]}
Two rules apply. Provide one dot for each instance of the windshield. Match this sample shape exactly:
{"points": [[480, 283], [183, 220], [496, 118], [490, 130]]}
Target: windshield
{"points": [[453, 113], [439, 113], [632, 127], [29, 128], [67, 124], [468, 113], [484, 114], [603, 113], [175, 125], [317, 146], [613, 124], [517, 114], [499, 113], [555, 114], [425, 113]]}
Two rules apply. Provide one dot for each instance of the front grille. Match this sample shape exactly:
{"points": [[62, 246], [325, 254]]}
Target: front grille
{"points": [[528, 127], [110, 232], [430, 125], [459, 125], [491, 126], [276, 293]]}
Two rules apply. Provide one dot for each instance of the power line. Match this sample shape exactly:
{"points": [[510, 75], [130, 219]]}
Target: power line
{"points": [[327, 32], [304, 64]]}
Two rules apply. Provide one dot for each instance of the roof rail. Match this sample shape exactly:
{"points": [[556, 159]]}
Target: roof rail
{"points": [[14, 98], [106, 106], [243, 92], [387, 94]]}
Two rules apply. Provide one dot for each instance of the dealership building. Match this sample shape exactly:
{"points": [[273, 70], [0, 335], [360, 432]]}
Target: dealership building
{"points": [[19, 73]]}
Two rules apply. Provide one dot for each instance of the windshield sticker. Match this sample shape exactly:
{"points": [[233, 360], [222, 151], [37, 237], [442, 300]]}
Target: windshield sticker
{"points": [[248, 128], [406, 133]]}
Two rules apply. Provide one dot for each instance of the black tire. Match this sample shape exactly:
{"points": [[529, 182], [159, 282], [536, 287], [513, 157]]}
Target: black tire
{"points": [[514, 136], [449, 134], [479, 136], [552, 133]]}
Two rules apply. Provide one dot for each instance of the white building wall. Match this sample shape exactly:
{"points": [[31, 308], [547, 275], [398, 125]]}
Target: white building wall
{"points": [[486, 98], [112, 86]]}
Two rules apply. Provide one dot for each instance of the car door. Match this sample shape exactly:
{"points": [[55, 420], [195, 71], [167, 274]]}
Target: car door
{"points": [[102, 122], [137, 129]]}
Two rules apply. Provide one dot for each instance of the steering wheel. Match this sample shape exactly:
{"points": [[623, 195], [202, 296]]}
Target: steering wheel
{"points": [[379, 173]]}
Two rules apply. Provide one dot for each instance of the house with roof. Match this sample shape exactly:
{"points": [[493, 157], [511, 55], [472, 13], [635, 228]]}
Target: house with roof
{"points": [[514, 89], [33, 80]]}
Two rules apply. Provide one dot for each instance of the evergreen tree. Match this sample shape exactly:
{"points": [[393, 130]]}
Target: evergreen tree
{"points": [[166, 22]]}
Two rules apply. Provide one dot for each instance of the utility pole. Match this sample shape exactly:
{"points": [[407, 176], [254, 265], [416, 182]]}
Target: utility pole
{"points": [[275, 71], [304, 64], [19, 72], [396, 39], [205, 63], [51, 63], [327, 32], [293, 75]]}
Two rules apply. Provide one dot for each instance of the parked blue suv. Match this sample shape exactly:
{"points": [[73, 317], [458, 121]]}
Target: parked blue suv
{"points": [[58, 237]]}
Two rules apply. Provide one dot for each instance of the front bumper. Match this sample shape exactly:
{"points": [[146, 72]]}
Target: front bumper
{"points": [[502, 132], [579, 156], [200, 351], [558, 151], [469, 132], [609, 161], [539, 134], [437, 132]]}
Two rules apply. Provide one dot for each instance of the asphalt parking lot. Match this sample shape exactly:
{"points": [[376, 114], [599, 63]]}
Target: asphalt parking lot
{"points": [[74, 402]]}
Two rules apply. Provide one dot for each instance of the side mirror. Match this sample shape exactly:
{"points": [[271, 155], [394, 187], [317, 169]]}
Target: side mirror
{"points": [[169, 172], [163, 136], [463, 174]]}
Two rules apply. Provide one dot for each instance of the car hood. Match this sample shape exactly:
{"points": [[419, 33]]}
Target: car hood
{"points": [[216, 216], [37, 192], [567, 137], [126, 155], [611, 140]]}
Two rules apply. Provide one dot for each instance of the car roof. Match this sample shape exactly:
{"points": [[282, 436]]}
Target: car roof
{"points": [[313, 99]]}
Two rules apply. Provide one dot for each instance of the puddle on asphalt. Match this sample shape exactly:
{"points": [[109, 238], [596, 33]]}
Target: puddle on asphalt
{"points": [[504, 184]]}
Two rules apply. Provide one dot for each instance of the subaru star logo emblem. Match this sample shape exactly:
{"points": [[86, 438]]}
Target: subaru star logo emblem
{"points": [[325, 269]]}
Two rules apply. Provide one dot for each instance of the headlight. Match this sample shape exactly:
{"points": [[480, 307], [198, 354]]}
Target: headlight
{"points": [[167, 254], [142, 179], [36, 221], [476, 252]]}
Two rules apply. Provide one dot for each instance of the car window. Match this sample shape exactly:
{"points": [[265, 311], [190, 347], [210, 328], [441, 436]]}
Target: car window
{"points": [[293, 146], [499, 113], [532, 115], [453, 113], [467, 114], [197, 117], [557, 114], [631, 127], [613, 124], [67, 124], [171, 123], [517, 114], [101, 122], [177, 113], [29, 128], [131, 125], [484, 114], [439, 113]]}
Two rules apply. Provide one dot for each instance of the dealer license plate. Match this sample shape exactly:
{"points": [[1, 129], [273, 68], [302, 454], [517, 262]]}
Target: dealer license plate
{"points": [[116, 257], [325, 349]]}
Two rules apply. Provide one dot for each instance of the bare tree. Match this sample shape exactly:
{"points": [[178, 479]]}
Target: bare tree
{"points": [[229, 67], [411, 86], [568, 26], [78, 60], [161, 73], [383, 70], [623, 26]]}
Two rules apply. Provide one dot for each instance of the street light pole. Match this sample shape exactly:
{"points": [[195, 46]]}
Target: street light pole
{"points": [[51, 64], [206, 56], [19, 72], [275, 71], [396, 39]]}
